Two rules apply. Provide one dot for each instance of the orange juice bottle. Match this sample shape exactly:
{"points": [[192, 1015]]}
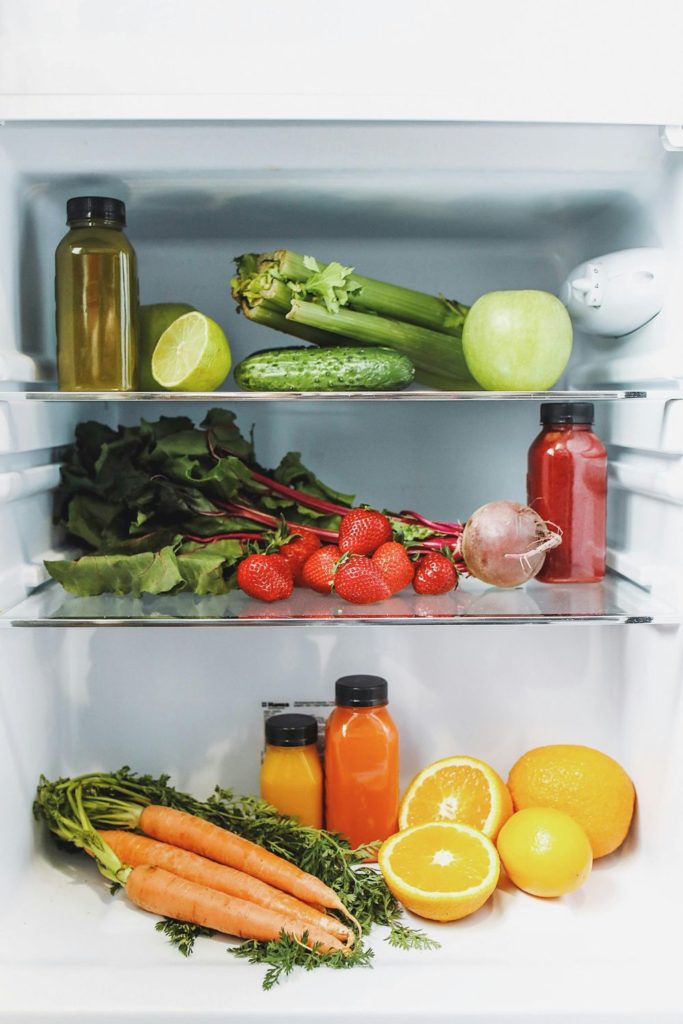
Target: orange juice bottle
{"points": [[361, 762], [291, 774]]}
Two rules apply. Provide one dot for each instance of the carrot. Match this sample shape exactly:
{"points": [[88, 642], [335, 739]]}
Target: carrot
{"points": [[191, 833], [136, 850], [163, 893]]}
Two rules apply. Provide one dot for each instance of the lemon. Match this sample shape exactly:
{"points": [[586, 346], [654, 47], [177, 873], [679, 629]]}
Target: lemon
{"points": [[460, 789], [192, 354], [545, 852], [441, 871], [154, 319], [587, 784]]}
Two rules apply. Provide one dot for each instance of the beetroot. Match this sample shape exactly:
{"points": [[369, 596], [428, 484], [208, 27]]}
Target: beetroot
{"points": [[504, 543]]}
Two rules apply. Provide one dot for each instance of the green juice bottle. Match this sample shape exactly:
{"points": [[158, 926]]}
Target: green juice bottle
{"points": [[96, 291]]}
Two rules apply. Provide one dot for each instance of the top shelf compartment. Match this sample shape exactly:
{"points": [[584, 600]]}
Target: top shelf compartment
{"points": [[452, 209]]}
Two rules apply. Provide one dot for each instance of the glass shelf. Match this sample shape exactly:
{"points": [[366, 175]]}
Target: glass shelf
{"points": [[410, 395], [613, 601]]}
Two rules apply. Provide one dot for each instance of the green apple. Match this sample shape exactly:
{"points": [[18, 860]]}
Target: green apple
{"points": [[153, 321], [517, 340]]}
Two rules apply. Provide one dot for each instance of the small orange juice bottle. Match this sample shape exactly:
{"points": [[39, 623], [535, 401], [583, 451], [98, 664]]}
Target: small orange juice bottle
{"points": [[291, 773]]}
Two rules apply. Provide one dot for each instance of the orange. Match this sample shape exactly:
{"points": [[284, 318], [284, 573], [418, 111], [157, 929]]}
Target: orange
{"points": [[585, 783], [545, 852], [457, 789], [440, 871]]}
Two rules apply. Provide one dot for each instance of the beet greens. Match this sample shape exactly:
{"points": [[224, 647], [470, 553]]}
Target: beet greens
{"points": [[167, 506]]}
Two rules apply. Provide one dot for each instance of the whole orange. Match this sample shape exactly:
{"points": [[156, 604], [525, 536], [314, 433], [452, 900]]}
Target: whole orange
{"points": [[585, 783], [545, 852]]}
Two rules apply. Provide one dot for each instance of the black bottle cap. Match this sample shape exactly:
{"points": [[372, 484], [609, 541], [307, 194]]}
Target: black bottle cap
{"points": [[567, 412], [291, 730], [361, 691], [95, 208]]}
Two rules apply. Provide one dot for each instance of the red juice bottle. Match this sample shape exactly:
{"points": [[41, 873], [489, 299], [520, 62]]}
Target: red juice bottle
{"points": [[567, 486]]}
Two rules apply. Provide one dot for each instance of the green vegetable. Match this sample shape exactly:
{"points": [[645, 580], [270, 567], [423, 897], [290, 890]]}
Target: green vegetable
{"points": [[168, 507], [438, 362], [334, 369], [517, 340], [330, 304], [74, 808]]}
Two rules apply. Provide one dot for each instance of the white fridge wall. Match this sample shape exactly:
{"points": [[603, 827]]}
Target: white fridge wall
{"points": [[529, 61]]}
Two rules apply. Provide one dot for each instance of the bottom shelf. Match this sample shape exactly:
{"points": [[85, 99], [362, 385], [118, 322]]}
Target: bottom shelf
{"points": [[71, 951], [612, 601]]}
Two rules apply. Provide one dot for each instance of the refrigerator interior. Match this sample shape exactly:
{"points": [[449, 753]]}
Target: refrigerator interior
{"points": [[447, 208]]}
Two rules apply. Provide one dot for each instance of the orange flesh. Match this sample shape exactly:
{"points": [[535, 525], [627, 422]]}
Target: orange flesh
{"points": [[454, 864], [460, 793]]}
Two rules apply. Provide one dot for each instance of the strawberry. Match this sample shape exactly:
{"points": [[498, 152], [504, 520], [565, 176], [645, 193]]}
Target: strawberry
{"points": [[394, 564], [362, 530], [267, 577], [297, 550], [359, 581], [318, 569], [434, 574]]}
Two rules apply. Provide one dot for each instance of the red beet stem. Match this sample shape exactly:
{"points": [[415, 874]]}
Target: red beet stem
{"points": [[319, 504], [454, 529], [246, 512], [236, 535]]}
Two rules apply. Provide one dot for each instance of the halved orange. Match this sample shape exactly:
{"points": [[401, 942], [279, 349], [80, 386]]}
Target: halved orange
{"points": [[440, 871], [457, 789]]}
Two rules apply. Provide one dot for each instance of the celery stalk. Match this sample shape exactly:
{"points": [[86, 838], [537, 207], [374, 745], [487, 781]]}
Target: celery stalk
{"points": [[373, 296], [262, 313], [438, 358]]}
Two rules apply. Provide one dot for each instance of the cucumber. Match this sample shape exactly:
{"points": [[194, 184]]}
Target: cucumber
{"points": [[325, 369]]}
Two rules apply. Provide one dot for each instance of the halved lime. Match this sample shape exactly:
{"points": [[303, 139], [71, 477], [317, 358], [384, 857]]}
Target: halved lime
{"points": [[153, 321], [192, 354]]}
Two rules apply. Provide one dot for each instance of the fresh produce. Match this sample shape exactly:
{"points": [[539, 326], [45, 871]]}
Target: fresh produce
{"points": [[504, 543], [435, 573], [319, 568], [362, 530], [266, 577], [394, 565], [163, 893], [73, 809], [136, 850], [359, 581], [441, 871], [517, 340], [167, 507], [329, 304], [545, 852], [584, 783], [329, 369], [458, 789], [192, 354], [298, 548], [153, 321], [190, 832]]}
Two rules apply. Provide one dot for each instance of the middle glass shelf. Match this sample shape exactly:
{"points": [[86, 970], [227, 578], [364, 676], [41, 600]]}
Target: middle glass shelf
{"points": [[410, 395], [614, 601]]}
